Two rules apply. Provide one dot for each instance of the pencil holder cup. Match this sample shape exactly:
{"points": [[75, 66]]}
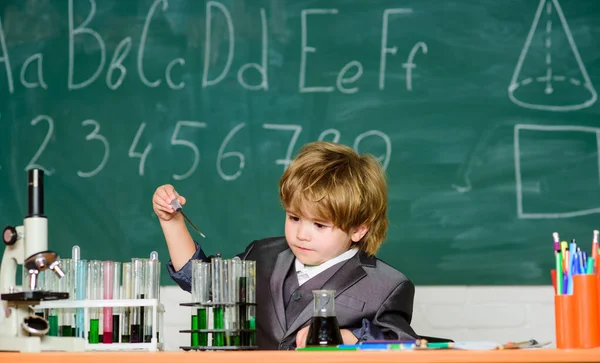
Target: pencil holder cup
{"points": [[585, 292], [566, 322]]}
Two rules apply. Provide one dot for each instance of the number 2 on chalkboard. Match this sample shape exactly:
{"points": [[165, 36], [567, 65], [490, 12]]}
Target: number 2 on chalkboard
{"points": [[33, 163]]}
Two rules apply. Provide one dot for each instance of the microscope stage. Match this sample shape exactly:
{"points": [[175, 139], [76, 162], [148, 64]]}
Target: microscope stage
{"points": [[34, 296]]}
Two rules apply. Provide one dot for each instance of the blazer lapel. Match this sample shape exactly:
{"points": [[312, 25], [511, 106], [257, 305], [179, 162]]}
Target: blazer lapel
{"points": [[350, 273], [282, 265]]}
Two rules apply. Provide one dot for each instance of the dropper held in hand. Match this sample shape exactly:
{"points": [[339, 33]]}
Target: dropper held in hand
{"points": [[177, 206]]}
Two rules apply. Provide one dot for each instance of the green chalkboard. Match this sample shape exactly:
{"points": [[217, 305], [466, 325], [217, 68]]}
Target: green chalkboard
{"points": [[483, 112]]}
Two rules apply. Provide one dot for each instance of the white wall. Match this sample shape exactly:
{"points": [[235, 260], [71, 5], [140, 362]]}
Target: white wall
{"points": [[499, 314]]}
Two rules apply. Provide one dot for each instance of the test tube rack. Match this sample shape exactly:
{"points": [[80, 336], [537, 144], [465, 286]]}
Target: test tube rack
{"points": [[226, 333], [224, 305], [157, 313]]}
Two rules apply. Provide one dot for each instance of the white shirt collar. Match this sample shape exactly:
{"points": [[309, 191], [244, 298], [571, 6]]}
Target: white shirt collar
{"points": [[306, 273]]}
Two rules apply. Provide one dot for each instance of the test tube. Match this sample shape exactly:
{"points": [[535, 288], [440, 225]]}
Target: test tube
{"points": [[250, 273], [75, 256], [116, 295], [152, 288], [225, 294], [65, 284], [225, 299], [218, 300], [51, 284], [137, 316], [100, 295], [232, 313], [80, 292], [200, 295], [94, 292], [75, 253], [108, 280], [127, 295]]}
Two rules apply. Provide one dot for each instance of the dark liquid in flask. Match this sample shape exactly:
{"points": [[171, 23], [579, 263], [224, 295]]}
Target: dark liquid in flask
{"points": [[324, 331]]}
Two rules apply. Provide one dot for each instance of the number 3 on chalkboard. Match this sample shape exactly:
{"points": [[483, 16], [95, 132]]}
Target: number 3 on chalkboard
{"points": [[94, 135]]}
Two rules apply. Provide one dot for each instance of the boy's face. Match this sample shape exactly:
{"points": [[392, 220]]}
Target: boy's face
{"points": [[314, 242]]}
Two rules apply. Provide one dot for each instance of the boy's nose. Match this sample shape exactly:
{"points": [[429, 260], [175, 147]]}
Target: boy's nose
{"points": [[303, 233]]}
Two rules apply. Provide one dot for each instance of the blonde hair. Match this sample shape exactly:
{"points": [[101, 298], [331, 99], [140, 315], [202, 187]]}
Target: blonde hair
{"points": [[339, 186]]}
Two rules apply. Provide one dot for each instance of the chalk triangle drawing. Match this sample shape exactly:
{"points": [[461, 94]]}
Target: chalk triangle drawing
{"points": [[550, 74]]}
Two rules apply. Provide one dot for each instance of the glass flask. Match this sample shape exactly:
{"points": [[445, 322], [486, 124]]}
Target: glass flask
{"points": [[324, 328]]}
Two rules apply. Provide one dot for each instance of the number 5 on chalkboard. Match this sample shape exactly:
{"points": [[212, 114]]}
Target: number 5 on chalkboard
{"points": [[186, 143]]}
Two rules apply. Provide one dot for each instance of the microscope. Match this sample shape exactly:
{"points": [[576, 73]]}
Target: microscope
{"points": [[27, 245]]}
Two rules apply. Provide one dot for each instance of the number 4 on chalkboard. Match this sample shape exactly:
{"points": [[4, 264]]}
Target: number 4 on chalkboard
{"points": [[143, 155]]}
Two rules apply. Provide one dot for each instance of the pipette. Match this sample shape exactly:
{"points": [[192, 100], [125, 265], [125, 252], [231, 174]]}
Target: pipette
{"points": [[175, 204]]}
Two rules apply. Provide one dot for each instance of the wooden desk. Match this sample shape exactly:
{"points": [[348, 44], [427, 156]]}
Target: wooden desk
{"points": [[448, 356]]}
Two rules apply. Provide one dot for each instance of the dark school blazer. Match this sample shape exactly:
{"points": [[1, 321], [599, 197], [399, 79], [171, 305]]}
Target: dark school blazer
{"points": [[373, 299]]}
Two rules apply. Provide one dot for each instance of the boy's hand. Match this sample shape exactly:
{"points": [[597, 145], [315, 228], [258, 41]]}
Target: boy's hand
{"points": [[301, 337], [161, 202], [347, 337]]}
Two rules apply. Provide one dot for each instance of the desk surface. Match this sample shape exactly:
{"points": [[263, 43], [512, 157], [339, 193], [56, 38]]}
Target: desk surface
{"points": [[508, 356]]}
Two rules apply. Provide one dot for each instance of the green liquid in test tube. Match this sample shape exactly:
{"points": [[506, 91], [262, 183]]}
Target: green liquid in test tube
{"points": [[201, 279], [232, 320], [51, 284], [202, 324], [65, 324], [194, 342], [94, 337], [252, 336], [53, 322], [94, 292], [250, 273], [66, 331], [218, 338], [218, 298]]}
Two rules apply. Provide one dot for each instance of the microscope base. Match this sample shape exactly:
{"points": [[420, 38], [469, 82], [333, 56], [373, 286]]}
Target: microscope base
{"points": [[41, 344]]}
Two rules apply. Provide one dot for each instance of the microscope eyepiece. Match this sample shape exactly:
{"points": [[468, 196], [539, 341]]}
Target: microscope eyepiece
{"points": [[35, 188]]}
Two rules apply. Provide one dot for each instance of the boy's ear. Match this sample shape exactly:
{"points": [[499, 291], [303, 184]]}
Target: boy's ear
{"points": [[359, 232]]}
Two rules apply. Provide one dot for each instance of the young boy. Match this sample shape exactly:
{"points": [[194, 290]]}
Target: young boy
{"points": [[336, 204]]}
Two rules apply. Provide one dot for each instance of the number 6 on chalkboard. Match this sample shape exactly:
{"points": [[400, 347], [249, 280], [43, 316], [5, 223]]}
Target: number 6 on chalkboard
{"points": [[231, 154]]}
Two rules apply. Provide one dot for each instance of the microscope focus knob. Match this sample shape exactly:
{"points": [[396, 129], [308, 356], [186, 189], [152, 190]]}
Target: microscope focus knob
{"points": [[9, 236]]}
